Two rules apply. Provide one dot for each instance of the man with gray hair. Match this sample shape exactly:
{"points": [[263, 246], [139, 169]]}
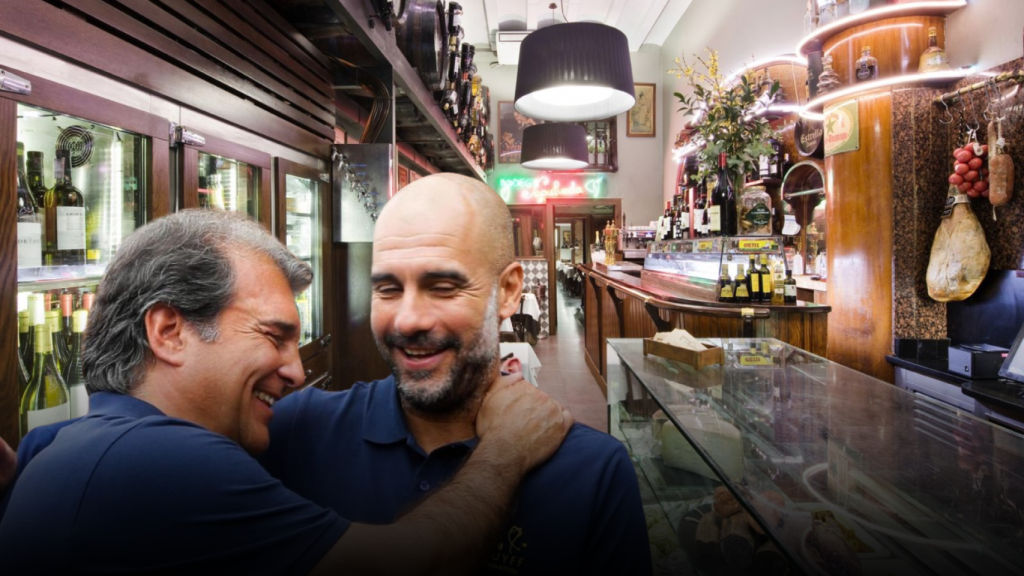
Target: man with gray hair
{"points": [[192, 340]]}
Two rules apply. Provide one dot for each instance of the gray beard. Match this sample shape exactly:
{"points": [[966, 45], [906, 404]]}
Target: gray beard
{"points": [[474, 366]]}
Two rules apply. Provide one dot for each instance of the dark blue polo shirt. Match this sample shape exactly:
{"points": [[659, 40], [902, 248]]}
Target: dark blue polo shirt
{"points": [[128, 489], [578, 513]]}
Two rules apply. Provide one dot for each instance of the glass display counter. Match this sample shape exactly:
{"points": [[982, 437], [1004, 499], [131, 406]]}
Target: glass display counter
{"points": [[842, 473], [703, 258]]}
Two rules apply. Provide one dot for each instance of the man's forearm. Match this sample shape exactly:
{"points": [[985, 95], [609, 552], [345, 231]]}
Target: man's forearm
{"points": [[448, 533]]}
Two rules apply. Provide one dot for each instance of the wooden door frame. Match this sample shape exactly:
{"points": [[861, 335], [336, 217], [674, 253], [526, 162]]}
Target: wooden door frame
{"points": [[549, 220], [282, 168]]}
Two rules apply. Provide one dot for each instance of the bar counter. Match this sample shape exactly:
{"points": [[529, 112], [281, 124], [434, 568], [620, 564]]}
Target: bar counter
{"points": [[913, 486], [622, 305]]}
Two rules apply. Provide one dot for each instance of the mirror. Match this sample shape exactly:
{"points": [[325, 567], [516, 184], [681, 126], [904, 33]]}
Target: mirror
{"points": [[528, 230]]}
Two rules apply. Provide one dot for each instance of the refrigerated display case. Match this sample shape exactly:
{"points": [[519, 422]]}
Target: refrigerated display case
{"points": [[302, 209], [88, 167]]}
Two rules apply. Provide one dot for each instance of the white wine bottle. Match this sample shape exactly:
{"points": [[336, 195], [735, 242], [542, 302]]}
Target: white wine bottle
{"points": [[57, 345], [73, 372], [46, 400], [36, 316]]}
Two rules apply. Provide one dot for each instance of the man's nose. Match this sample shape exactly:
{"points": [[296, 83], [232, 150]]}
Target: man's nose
{"points": [[413, 314], [291, 368]]}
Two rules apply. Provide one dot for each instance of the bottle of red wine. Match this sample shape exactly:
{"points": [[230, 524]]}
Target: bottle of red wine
{"points": [[66, 230], [723, 199], [35, 178], [30, 227]]}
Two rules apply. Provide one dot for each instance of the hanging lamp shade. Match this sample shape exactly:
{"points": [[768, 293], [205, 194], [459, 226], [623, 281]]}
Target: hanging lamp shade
{"points": [[574, 72], [554, 146]]}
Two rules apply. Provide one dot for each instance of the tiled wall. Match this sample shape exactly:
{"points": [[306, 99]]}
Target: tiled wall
{"points": [[537, 271]]}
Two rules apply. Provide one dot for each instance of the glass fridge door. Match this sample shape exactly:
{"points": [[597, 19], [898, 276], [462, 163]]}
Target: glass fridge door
{"points": [[81, 190], [302, 237], [226, 184]]}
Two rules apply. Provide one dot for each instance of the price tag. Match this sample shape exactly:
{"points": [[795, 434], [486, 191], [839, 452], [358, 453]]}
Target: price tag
{"points": [[755, 360], [947, 211], [705, 245], [756, 245]]}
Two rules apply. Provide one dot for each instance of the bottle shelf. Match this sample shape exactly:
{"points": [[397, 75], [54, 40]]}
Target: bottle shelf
{"points": [[58, 277], [922, 8], [813, 109]]}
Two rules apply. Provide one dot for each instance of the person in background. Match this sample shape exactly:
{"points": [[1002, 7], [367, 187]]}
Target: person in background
{"points": [[444, 276], [192, 341]]}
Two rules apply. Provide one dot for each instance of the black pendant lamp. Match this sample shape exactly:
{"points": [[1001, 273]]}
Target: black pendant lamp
{"points": [[574, 72], [554, 146]]}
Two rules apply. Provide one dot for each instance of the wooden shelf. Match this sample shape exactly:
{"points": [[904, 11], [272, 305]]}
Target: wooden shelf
{"points": [[357, 17], [922, 8], [814, 108]]}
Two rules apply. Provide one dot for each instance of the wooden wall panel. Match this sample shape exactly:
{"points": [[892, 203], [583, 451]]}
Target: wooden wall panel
{"points": [[8, 272], [81, 41], [859, 214], [355, 354], [592, 322]]}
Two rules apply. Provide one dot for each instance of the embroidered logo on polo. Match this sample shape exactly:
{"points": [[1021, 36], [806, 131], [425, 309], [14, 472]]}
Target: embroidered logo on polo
{"points": [[509, 555]]}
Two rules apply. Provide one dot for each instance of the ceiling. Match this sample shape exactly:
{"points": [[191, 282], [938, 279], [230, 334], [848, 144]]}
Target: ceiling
{"points": [[642, 21]]}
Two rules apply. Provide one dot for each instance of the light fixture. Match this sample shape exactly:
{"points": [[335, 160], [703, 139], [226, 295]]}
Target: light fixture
{"points": [[574, 72], [554, 146]]}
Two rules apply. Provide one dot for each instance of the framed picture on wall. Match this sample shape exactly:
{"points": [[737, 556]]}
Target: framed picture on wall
{"points": [[640, 121], [510, 132]]}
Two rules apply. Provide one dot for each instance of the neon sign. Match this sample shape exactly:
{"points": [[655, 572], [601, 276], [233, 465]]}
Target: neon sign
{"points": [[537, 190]]}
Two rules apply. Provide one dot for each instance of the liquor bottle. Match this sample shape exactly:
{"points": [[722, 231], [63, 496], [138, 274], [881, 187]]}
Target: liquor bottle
{"points": [[933, 59], [726, 292], [778, 286], [775, 159], [828, 80], [45, 400], [766, 280], [57, 344], [754, 280], [790, 288], [67, 307], [742, 287], [867, 66], [699, 213], [35, 178], [66, 228], [73, 371], [723, 200], [30, 227]]}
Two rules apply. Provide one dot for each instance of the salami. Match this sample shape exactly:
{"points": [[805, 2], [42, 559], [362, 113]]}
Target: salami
{"points": [[960, 255], [1000, 167]]}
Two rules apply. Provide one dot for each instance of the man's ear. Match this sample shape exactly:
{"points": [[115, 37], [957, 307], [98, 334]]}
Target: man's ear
{"points": [[167, 334], [510, 290]]}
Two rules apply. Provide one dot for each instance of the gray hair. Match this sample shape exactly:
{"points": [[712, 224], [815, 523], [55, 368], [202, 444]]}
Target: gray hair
{"points": [[183, 261]]}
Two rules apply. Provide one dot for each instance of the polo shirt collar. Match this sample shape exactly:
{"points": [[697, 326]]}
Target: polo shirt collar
{"points": [[114, 404], [384, 422]]}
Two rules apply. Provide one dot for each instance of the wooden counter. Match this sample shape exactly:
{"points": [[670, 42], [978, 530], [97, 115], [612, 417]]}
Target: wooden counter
{"points": [[619, 305]]}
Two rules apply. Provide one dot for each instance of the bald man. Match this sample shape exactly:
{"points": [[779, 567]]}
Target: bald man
{"points": [[444, 276]]}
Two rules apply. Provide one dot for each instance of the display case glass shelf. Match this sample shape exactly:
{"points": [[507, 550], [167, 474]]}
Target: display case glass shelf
{"points": [[302, 237], [808, 447]]}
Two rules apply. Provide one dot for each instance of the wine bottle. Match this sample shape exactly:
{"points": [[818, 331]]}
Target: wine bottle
{"points": [[24, 329], [766, 280], [66, 228], [30, 227], [45, 400], [742, 287], [67, 307], [35, 178], [726, 293], [23, 375], [723, 202], [87, 300], [57, 344], [754, 280], [789, 293], [73, 372], [36, 316]]}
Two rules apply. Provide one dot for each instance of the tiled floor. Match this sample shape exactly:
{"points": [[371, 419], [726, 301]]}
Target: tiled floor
{"points": [[564, 373]]}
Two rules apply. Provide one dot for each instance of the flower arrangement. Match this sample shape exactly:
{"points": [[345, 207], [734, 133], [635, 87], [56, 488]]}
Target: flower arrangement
{"points": [[727, 115]]}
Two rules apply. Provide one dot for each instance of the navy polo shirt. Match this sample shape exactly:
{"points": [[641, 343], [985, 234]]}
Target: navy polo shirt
{"points": [[128, 489], [578, 513]]}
